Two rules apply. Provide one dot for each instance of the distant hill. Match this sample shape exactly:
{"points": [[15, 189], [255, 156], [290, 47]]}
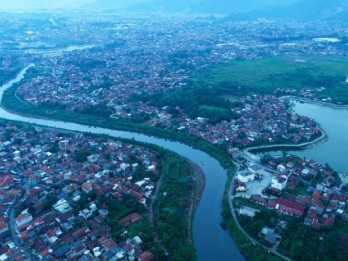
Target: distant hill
{"points": [[239, 9], [185, 6], [303, 10], [206, 6], [113, 5]]}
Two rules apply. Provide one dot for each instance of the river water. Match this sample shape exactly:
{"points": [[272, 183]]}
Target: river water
{"points": [[335, 123], [210, 240]]}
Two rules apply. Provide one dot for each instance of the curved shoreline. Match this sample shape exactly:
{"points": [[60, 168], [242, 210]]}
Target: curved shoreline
{"points": [[317, 102], [302, 146], [196, 195]]}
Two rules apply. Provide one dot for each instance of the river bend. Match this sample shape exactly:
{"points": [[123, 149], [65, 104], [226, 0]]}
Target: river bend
{"points": [[210, 240]]}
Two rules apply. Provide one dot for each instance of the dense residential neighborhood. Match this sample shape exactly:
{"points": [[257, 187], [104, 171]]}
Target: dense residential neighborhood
{"points": [[301, 191], [146, 57], [77, 196], [56, 189]]}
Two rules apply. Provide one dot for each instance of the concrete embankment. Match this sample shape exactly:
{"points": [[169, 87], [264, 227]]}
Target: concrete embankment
{"points": [[302, 146]]}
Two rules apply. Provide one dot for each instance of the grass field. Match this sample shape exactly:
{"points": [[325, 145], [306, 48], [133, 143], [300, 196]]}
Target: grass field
{"points": [[212, 108], [265, 75]]}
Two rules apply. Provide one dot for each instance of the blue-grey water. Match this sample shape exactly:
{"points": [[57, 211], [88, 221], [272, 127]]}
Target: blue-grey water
{"points": [[335, 123]]}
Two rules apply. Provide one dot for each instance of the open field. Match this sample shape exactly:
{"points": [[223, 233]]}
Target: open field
{"points": [[265, 75]]}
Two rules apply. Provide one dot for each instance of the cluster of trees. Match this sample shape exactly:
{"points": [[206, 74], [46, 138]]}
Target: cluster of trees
{"points": [[254, 225], [118, 210], [101, 110], [299, 241], [249, 250], [302, 242], [172, 209], [81, 156], [196, 101], [6, 75]]}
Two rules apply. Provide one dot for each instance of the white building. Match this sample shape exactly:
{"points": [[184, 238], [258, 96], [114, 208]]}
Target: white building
{"points": [[86, 213], [245, 176], [248, 211], [62, 206], [281, 168], [279, 182]]}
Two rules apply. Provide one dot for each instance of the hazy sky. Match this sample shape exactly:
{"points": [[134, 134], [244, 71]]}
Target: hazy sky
{"points": [[6, 5]]}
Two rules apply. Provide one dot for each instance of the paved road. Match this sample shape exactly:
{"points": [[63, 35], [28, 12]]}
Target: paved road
{"points": [[251, 158], [230, 199], [12, 224]]}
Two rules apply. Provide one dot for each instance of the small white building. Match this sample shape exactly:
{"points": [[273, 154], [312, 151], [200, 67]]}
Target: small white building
{"points": [[248, 211], [62, 206], [245, 176], [305, 172], [279, 182], [86, 213], [281, 168]]}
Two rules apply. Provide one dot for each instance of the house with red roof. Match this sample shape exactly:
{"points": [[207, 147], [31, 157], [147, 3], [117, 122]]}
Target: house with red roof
{"points": [[23, 218], [86, 187], [145, 256], [6, 181], [286, 207], [3, 226], [129, 219]]}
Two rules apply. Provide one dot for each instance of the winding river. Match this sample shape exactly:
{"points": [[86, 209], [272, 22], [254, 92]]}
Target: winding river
{"points": [[210, 240]]}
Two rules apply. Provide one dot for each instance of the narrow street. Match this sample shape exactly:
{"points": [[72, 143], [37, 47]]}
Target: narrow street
{"points": [[12, 223], [152, 217]]}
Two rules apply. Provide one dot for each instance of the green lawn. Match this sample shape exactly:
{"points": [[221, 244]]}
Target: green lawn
{"points": [[299, 190], [265, 75], [212, 108], [230, 98]]}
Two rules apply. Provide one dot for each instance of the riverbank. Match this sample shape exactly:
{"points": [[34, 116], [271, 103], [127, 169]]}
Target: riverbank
{"points": [[247, 246], [196, 196], [302, 146], [220, 153], [211, 241], [199, 187], [12, 104], [199, 181], [312, 101]]}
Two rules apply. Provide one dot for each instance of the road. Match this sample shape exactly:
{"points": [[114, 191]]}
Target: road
{"points": [[12, 223], [251, 158], [230, 199]]}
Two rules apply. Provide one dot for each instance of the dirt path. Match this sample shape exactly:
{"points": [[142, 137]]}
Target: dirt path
{"points": [[153, 219]]}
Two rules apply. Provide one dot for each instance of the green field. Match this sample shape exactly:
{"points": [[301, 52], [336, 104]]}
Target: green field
{"points": [[265, 75]]}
